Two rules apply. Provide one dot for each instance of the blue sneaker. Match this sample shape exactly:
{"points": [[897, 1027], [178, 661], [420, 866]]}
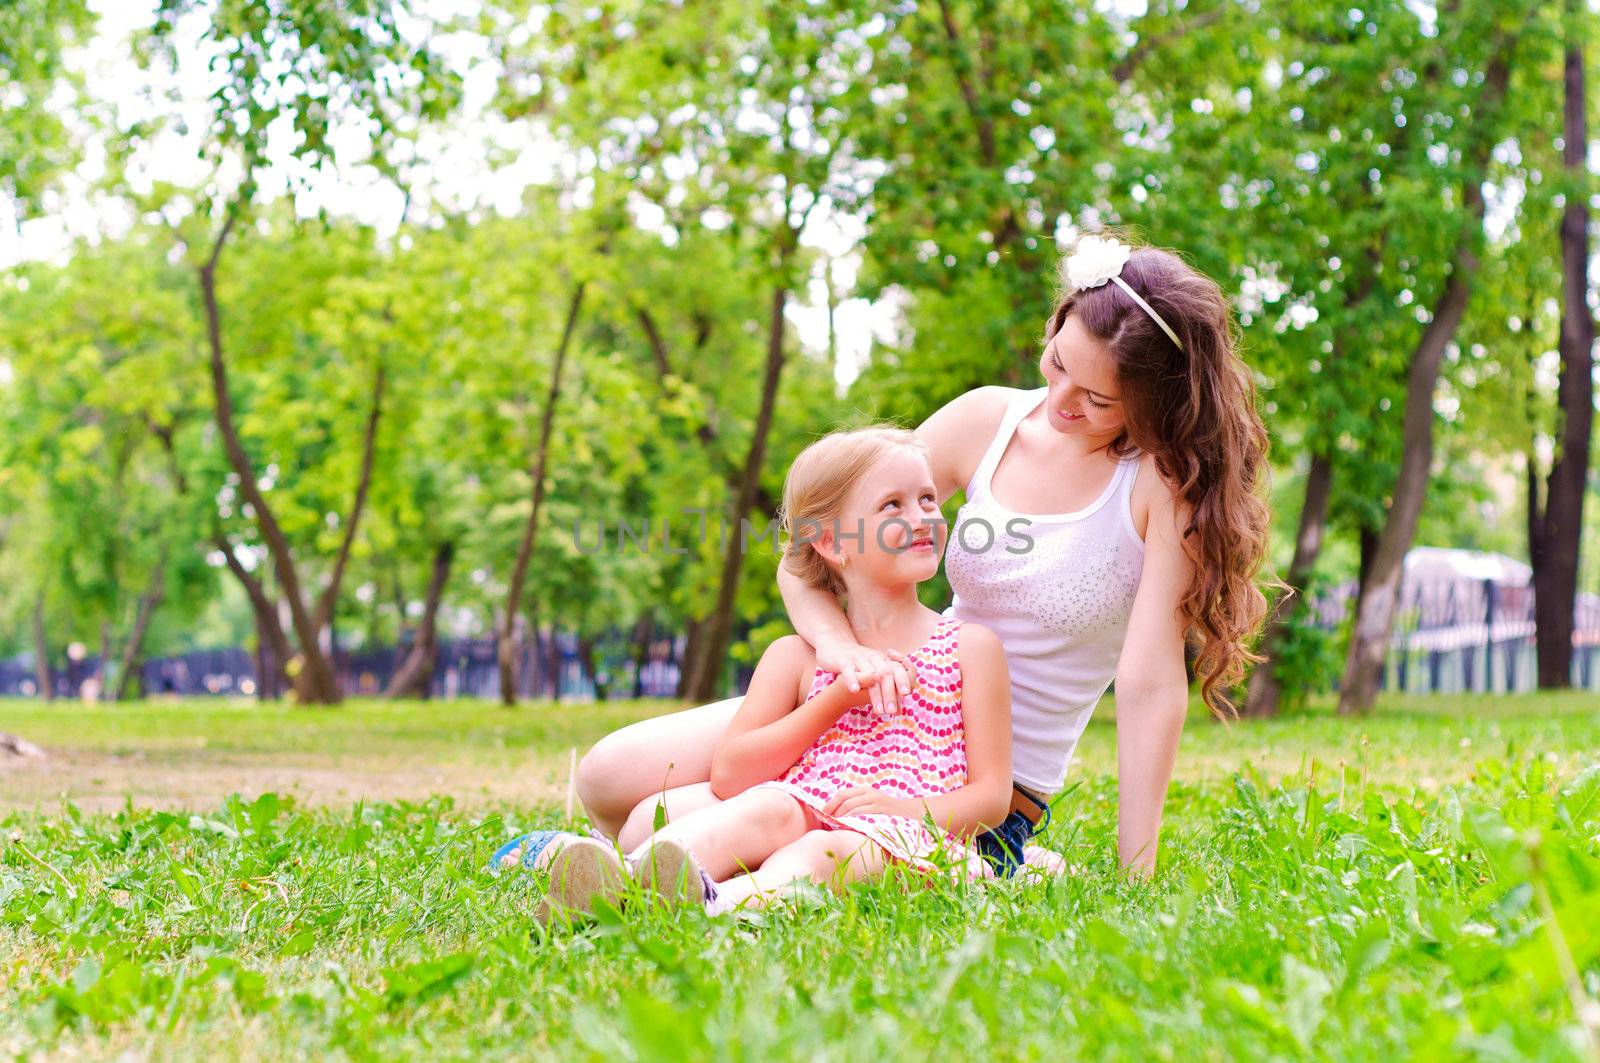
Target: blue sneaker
{"points": [[523, 851]]}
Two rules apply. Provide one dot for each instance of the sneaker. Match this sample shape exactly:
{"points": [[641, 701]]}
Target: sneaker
{"points": [[583, 873], [524, 851], [670, 871]]}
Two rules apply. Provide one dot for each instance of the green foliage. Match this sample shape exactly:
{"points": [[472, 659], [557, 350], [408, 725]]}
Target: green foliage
{"points": [[37, 143], [1310, 157], [95, 440], [310, 64]]}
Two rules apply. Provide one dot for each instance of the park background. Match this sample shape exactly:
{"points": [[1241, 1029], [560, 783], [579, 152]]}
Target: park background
{"points": [[337, 335]]}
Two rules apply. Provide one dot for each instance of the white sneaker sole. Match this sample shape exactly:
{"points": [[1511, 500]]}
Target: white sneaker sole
{"points": [[669, 871], [583, 873]]}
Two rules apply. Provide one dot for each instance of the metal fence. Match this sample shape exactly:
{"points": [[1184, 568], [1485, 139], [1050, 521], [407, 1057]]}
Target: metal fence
{"points": [[548, 666], [463, 668], [1469, 635], [1450, 636]]}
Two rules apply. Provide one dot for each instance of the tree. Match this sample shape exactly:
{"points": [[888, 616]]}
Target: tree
{"points": [[36, 147], [313, 68], [1319, 227], [100, 389], [729, 114], [37, 144], [1489, 36], [1556, 528]]}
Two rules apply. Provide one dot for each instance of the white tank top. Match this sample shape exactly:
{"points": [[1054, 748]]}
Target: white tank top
{"points": [[1057, 589]]}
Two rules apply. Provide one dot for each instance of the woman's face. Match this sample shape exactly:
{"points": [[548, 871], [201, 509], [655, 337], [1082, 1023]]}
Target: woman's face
{"points": [[891, 528], [1084, 397]]}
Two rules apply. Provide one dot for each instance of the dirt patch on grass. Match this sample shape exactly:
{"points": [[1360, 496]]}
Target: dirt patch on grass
{"points": [[100, 782]]}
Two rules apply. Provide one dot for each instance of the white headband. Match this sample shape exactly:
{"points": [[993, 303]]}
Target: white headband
{"points": [[1098, 259]]}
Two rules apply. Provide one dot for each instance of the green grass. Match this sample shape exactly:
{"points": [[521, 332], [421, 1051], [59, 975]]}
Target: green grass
{"points": [[1391, 908]]}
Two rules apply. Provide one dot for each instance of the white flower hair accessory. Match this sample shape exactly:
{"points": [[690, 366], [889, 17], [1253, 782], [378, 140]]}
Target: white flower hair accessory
{"points": [[1099, 259]]}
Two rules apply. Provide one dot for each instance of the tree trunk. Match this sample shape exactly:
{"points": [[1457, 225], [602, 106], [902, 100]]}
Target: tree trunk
{"points": [[329, 598], [133, 649], [316, 683], [1369, 641], [1555, 566], [1380, 592], [268, 674], [703, 685], [642, 633], [552, 663], [1535, 513], [415, 677], [1266, 690], [41, 653], [1366, 553], [530, 532], [271, 641], [316, 679], [402, 622], [694, 644]]}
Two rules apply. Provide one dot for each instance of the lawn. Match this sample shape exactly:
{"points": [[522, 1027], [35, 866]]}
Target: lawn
{"points": [[234, 881]]}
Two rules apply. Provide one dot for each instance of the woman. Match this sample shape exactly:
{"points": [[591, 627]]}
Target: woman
{"points": [[1108, 514]]}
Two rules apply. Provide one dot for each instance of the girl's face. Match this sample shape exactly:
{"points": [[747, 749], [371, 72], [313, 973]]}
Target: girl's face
{"points": [[1084, 397], [891, 530]]}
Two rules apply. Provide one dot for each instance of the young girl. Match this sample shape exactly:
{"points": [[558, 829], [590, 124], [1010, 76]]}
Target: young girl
{"points": [[815, 785]]}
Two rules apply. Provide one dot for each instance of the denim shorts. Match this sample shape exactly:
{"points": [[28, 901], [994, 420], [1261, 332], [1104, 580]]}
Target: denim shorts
{"points": [[1003, 845]]}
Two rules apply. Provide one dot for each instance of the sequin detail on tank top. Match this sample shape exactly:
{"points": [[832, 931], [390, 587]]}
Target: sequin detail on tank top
{"points": [[1058, 589]]}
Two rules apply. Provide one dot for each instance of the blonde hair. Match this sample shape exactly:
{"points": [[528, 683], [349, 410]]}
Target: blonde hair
{"points": [[815, 489]]}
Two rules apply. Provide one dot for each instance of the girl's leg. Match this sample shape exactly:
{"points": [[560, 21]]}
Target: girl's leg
{"points": [[641, 760], [734, 835], [679, 802], [824, 856]]}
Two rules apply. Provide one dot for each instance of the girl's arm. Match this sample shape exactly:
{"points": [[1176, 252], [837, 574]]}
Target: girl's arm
{"points": [[819, 620], [986, 722], [1152, 689], [768, 733]]}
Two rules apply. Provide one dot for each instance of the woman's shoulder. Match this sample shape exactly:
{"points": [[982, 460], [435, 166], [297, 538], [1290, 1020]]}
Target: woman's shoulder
{"points": [[958, 433], [986, 402]]}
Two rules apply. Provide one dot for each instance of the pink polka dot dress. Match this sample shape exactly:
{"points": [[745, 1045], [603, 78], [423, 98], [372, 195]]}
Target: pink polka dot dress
{"points": [[917, 752]]}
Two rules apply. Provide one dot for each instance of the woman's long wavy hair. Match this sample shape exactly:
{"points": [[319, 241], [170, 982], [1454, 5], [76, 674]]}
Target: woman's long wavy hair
{"points": [[1194, 411]]}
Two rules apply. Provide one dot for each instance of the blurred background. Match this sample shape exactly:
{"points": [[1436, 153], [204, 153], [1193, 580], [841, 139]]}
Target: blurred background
{"points": [[365, 347]]}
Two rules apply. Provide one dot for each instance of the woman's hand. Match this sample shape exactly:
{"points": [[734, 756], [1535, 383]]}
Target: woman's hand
{"points": [[887, 676], [861, 800]]}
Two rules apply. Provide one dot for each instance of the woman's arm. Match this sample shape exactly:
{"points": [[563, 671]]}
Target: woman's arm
{"points": [[819, 620], [769, 732], [1152, 688], [986, 725]]}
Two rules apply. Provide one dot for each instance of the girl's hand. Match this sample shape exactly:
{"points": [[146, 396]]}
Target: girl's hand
{"points": [[859, 800], [886, 678]]}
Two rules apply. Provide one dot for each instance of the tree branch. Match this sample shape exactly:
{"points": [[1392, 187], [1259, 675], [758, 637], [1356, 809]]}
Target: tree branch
{"points": [[330, 592], [1149, 45], [984, 125], [321, 680]]}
